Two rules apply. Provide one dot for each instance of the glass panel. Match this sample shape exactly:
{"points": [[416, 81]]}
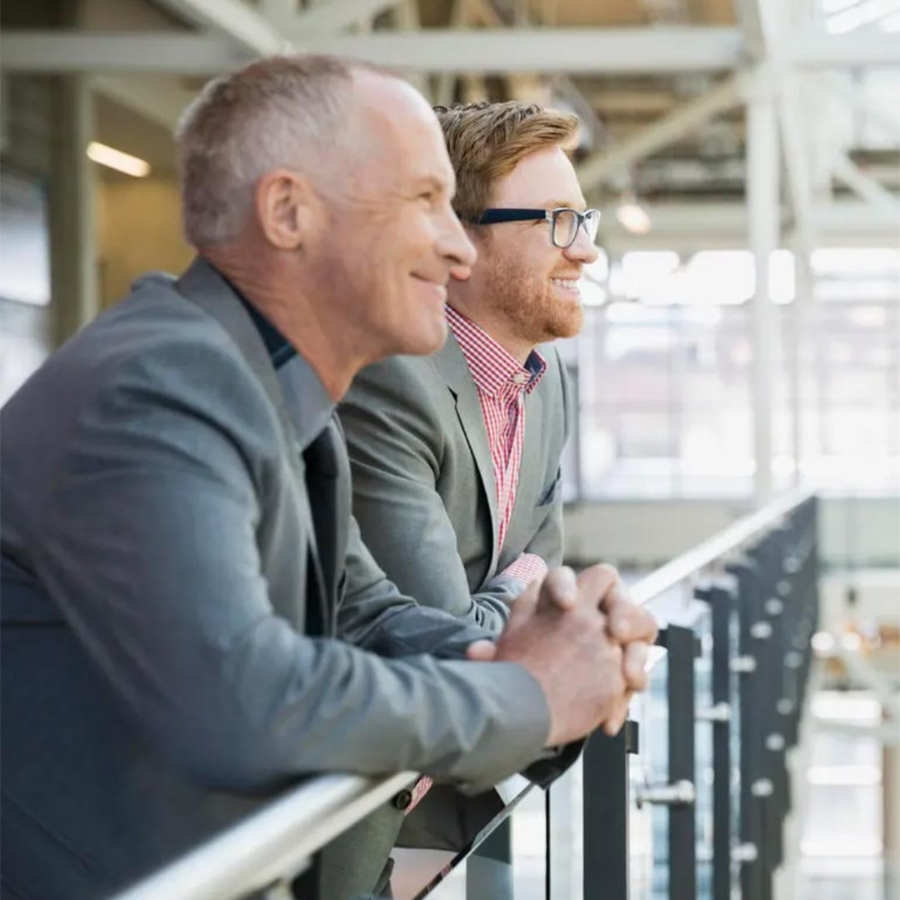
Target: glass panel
{"points": [[438, 875], [649, 824]]}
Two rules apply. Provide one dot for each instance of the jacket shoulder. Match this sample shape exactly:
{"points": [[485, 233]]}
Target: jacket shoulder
{"points": [[401, 382]]}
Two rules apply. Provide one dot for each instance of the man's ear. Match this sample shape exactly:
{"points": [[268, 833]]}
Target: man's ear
{"points": [[285, 208]]}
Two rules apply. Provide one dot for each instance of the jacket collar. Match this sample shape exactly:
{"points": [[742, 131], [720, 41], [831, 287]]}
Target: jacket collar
{"points": [[295, 390]]}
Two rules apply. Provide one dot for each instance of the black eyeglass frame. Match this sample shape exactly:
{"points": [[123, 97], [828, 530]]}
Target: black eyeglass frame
{"points": [[497, 215]]}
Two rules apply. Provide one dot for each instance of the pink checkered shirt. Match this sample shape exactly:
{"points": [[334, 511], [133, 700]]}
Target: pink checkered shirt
{"points": [[502, 383]]}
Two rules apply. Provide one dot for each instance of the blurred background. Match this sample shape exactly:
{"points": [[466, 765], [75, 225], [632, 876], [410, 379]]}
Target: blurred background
{"points": [[742, 331]]}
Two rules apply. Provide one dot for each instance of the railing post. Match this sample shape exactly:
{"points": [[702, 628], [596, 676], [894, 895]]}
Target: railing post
{"points": [[721, 597], [746, 571], [605, 798], [681, 644]]}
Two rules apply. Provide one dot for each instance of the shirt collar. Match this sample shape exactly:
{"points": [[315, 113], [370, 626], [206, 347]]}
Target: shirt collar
{"points": [[307, 402], [493, 368], [280, 350]]}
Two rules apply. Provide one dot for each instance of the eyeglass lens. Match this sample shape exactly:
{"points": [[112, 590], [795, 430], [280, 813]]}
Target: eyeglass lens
{"points": [[566, 224]]}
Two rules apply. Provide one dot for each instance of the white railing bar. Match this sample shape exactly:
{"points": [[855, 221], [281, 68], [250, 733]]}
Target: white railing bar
{"points": [[732, 538], [273, 843]]}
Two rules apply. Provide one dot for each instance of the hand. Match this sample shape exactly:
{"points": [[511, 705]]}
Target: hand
{"points": [[631, 626], [558, 632]]}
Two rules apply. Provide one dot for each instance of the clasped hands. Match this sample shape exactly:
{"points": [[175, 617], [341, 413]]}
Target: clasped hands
{"points": [[586, 644]]}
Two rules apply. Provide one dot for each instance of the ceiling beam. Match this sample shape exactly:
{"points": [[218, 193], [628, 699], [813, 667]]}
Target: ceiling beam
{"points": [[812, 49], [102, 52], [610, 51], [236, 19], [278, 12], [665, 131], [638, 51], [501, 51], [864, 187], [161, 103]]}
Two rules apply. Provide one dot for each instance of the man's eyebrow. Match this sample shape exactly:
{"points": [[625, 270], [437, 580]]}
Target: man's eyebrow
{"points": [[580, 205], [432, 181]]}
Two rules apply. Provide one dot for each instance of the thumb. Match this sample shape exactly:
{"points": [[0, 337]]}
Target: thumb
{"points": [[481, 651]]}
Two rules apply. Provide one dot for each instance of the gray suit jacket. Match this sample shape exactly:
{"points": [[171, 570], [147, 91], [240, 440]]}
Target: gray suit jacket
{"points": [[424, 495], [423, 483], [171, 581]]}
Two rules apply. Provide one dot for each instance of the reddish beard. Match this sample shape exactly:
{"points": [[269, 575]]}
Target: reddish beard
{"points": [[534, 310]]}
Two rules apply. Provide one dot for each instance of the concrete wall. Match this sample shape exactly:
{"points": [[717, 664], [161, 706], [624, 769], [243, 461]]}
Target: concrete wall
{"points": [[855, 532], [637, 534]]}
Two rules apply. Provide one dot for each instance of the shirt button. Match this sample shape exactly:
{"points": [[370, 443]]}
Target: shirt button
{"points": [[520, 378], [403, 799]]}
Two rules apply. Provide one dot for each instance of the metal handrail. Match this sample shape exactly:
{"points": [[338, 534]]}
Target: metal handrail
{"points": [[272, 844], [728, 541], [282, 837]]}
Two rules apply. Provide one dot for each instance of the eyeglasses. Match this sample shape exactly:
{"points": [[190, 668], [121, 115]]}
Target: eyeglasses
{"points": [[564, 222]]}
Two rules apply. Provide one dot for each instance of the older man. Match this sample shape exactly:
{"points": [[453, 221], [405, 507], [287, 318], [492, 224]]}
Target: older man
{"points": [[456, 457], [177, 539]]}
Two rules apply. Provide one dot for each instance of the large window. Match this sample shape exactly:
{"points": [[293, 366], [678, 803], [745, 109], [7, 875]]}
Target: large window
{"points": [[664, 375], [24, 279]]}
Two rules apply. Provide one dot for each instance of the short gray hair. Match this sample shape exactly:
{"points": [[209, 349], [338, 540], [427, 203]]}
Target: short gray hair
{"points": [[278, 111]]}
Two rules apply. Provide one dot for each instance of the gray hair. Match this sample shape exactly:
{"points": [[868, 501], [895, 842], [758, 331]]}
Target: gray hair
{"points": [[280, 111]]}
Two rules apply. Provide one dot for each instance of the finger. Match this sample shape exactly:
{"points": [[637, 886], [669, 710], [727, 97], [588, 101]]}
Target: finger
{"points": [[628, 622], [559, 589], [481, 651], [594, 583], [613, 724], [634, 666]]}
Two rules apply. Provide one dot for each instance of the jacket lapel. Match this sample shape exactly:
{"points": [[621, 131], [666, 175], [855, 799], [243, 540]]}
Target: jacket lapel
{"points": [[453, 367], [204, 286]]}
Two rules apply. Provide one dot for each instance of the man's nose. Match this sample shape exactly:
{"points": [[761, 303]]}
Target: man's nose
{"points": [[456, 247], [582, 249]]}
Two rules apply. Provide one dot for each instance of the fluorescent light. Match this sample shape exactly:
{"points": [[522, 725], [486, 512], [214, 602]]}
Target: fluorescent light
{"points": [[632, 216], [116, 159]]}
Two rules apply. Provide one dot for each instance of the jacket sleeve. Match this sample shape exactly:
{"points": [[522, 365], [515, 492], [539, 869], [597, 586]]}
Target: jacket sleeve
{"points": [[149, 550], [393, 437]]}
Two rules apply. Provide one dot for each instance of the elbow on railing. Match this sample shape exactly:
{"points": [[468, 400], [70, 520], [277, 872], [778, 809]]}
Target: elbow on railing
{"points": [[236, 759]]}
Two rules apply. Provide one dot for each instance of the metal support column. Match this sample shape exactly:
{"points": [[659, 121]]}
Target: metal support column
{"points": [[798, 314], [73, 254], [764, 223]]}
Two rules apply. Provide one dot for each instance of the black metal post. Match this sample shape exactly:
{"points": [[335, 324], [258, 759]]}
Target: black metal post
{"points": [[605, 800], [746, 572], [720, 595], [681, 645]]}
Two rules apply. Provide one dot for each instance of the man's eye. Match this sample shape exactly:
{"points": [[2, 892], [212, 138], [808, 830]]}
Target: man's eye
{"points": [[427, 196]]}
